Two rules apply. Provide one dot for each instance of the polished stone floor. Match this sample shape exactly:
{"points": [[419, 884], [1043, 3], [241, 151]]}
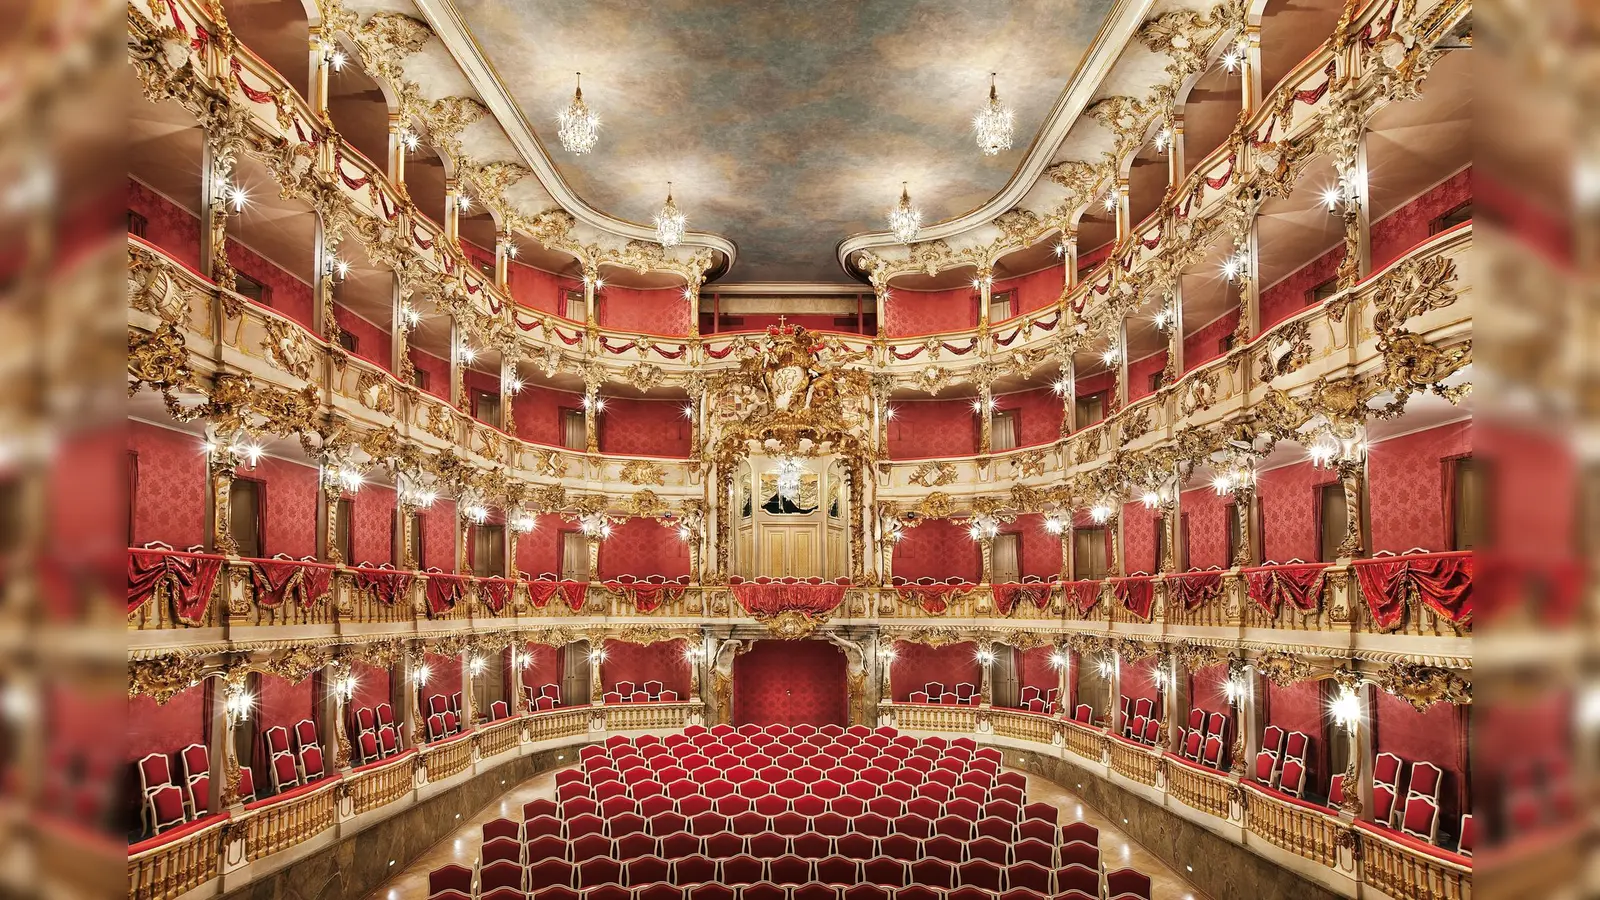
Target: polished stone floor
{"points": [[462, 847]]}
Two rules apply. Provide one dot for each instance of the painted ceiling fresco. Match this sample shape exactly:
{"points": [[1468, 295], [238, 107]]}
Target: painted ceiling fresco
{"points": [[785, 126]]}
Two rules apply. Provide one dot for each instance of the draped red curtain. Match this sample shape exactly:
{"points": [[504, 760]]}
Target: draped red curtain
{"points": [[1442, 581], [791, 683]]}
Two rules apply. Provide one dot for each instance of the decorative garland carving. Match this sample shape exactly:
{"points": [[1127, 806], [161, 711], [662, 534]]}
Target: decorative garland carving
{"points": [[1423, 686]]}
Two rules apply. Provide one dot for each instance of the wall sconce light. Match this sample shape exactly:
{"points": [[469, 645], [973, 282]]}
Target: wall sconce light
{"points": [[1346, 709], [237, 704], [420, 676], [1058, 659], [986, 657]]}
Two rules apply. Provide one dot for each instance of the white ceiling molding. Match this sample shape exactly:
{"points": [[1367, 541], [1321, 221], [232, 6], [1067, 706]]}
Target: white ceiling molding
{"points": [[1113, 39], [446, 22]]}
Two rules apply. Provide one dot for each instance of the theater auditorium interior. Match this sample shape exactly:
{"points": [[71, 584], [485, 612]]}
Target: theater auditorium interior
{"points": [[802, 451]]}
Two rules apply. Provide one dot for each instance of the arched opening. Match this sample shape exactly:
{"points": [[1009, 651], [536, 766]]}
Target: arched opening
{"points": [[279, 33], [1291, 30], [360, 111], [1210, 110]]}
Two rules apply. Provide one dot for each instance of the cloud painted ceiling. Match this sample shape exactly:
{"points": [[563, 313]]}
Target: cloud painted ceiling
{"points": [[785, 126]]}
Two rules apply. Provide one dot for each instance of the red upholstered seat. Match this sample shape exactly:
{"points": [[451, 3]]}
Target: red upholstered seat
{"points": [[790, 823], [550, 846], [693, 870], [855, 846], [789, 869], [933, 873], [635, 845], [659, 891], [711, 891], [1079, 853], [590, 846], [450, 878], [884, 870], [681, 844], [866, 891], [749, 823], [1127, 883], [980, 873], [724, 844], [742, 869], [599, 871], [549, 873], [1080, 831], [502, 849], [810, 805], [694, 804]]}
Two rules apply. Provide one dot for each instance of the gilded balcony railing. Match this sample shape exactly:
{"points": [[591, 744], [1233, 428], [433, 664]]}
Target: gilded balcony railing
{"points": [[375, 786], [1203, 789], [1134, 761], [1023, 726], [1406, 871], [1086, 741], [451, 757], [279, 824], [556, 724], [1295, 827], [930, 717], [633, 716], [496, 738], [176, 866]]}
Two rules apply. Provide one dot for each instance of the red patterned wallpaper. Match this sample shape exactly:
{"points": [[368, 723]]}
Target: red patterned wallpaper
{"points": [[917, 664], [1039, 550], [438, 371], [538, 289], [1204, 345], [444, 677], [372, 525], [291, 506], [167, 727], [544, 667], [1405, 478], [1035, 290], [1138, 681], [539, 551], [372, 685], [928, 312], [645, 428], [280, 702], [373, 342], [1206, 515], [932, 428], [1206, 690], [1409, 225], [1139, 539], [1139, 372], [661, 311], [1088, 261], [1038, 412], [1288, 296], [538, 416], [286, 293], [643, 547], [791, 682], [938, 548], [638, 663], [438, 535], [170, 497], [1288, 497], [1439, 736], [1300, 707], [167, 225], [1034, 669]]}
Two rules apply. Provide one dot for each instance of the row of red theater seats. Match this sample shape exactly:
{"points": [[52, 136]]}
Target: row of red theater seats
{"points": [[1001, 802], [767, 891], [879, 768], [803, 748], [955, 818], [863, 785], [851, 848], [790, 871]]}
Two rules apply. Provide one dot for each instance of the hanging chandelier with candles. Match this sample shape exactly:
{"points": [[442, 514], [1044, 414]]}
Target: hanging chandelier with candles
{"points": [[580, 127], [670, 222], [905, 220], [995, 124]]}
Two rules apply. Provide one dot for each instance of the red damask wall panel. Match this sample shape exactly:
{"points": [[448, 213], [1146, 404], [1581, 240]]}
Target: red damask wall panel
{"points": [[439, 535], [1204, 344], [1088, 260], [790, 683], [544, 667], [917, 664], [538, 289], [1438, 736], [166, 727], [645, 428], [169, 499], [538, 413], [1035, 290], [1034, 669], [1038, 413], [1288, 296], [1039, 551], [476, 381], [1300, 707], [1288, 496], [643, 547], [279, 702], [1409, 225], [1206, 691], [372, 686], [286, 292], [1138, 679], [444, 678], [539, 551], [1140, 372], [290, 507], [928, 312], [1405, 480], [638, 663], [1206, 518], [373, 342], [938, 548], [167, 225], [1139, 539], [662, 311], [924, 429], [372, 525], [437, 369]]}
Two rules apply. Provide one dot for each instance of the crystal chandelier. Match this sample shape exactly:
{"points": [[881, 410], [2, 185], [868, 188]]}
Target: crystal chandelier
{"points": [[905, 220], [995, 124], [670, 222], [789, 470], [580, 128]]}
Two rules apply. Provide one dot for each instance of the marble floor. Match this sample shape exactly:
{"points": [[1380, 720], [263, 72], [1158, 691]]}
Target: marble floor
{"points": [[462, 847]]}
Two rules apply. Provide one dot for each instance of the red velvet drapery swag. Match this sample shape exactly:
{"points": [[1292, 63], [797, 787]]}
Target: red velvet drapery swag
{"points": [[774, 598], [188, 577], [277, 580], [573, 593], [1194, 589], [1082, 595], [1298, 585], [1442, 581], [646, 597], [444, 592], [1136, 594], [1006, 596], [388, 585], [933, 598]]}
